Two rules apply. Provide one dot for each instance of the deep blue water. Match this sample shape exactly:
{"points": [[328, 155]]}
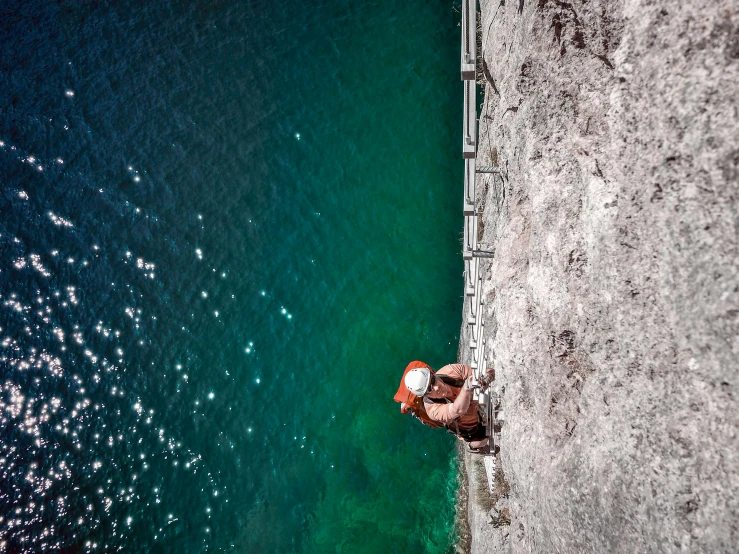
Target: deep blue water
{"points": [[226, 228]]}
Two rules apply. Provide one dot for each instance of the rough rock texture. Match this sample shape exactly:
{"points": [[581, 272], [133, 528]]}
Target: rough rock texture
{"points": [[480, 534], [613, 299]]}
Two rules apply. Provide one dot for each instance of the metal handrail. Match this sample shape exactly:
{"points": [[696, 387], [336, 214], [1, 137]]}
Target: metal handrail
{"points": [[471, 253]]}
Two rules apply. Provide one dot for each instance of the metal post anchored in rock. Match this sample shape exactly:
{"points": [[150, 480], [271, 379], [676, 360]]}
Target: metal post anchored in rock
{"points": [[483, 253]]}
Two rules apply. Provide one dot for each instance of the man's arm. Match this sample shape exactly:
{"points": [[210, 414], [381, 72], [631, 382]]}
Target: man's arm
{"points": [[460, 406]]}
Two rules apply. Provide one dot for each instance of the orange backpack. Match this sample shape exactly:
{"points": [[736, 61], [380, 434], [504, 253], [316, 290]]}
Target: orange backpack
{"points": [[412, 404]]}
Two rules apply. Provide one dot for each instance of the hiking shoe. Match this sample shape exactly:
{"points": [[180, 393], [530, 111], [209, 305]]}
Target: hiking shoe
{"points": [[482, 450]]}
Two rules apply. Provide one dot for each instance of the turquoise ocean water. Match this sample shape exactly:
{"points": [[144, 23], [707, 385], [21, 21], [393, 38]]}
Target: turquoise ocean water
{"points": [[226, 228]]}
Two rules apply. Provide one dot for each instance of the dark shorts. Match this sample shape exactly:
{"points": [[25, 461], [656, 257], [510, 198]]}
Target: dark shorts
{"points": [[469, 435]]}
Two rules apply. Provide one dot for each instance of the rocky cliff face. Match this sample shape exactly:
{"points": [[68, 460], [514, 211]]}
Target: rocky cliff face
{"points": [[612, 303]]}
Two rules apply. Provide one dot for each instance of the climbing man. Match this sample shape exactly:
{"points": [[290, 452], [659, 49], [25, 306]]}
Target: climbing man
{"points": [[444, 399]]}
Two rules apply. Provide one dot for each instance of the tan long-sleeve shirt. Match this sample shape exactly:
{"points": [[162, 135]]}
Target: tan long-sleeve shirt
{"points": [[439, 411]]}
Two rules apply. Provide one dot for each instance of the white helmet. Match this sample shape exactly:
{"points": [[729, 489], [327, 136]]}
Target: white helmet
{"points": [[417, 380]]}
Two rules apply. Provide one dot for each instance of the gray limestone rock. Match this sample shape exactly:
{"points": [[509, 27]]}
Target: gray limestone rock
{"points": [[612, 303]]}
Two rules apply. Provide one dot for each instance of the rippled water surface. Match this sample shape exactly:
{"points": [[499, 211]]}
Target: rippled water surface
{"points": [[226, 228]]}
